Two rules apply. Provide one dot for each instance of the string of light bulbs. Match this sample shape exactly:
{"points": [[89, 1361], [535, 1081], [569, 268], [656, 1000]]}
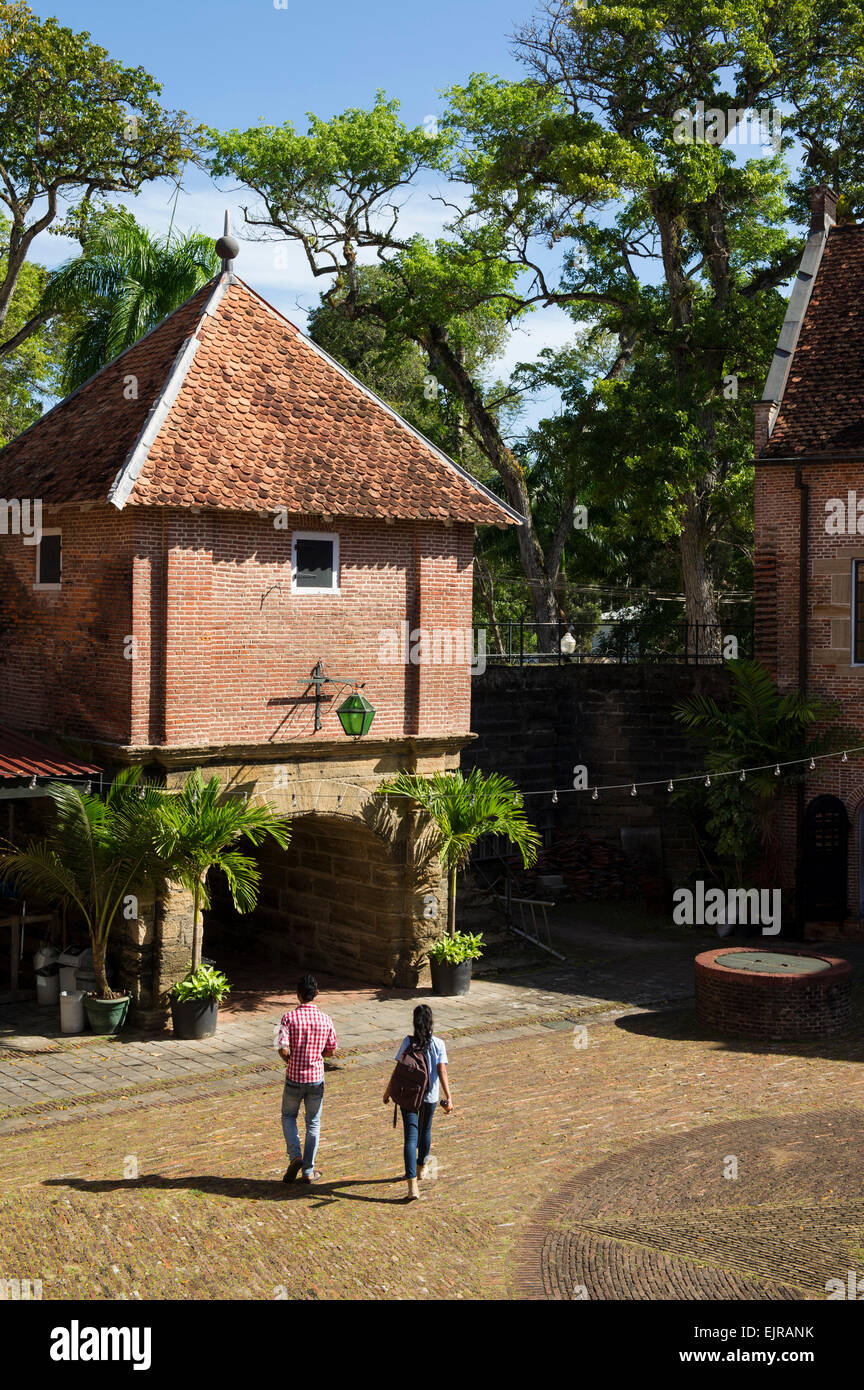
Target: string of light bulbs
{"points": [[706, 777]]}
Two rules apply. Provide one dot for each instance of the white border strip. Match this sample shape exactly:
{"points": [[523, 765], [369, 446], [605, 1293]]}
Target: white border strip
{"points": [[127, 477], [799, 300]]}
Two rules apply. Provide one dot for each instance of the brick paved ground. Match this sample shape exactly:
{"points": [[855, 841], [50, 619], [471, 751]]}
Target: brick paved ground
{"points": [[40, 1067], [599, 1166]]}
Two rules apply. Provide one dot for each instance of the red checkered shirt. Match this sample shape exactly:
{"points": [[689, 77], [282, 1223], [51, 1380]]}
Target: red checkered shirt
{"points": [[306, 1033]]}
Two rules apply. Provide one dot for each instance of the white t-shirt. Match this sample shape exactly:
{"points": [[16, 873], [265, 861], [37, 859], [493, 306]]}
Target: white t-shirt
{"points": [[436, 1053]]}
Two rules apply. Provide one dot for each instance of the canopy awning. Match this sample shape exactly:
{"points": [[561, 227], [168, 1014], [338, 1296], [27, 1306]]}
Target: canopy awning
{"points": [[23, 758]]}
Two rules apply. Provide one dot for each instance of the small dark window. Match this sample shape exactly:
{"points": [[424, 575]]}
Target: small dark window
{"points": [[316, 564], [49, 559], [857, 613]]}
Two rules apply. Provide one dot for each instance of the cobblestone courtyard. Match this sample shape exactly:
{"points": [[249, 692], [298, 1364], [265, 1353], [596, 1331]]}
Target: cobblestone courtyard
{"points": [[601, 1169]]}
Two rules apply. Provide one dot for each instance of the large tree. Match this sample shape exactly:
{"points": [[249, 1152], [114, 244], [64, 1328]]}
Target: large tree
{"points": [[599, 185], [605, 157], [74, 123], [30, 375], [336, 191]]}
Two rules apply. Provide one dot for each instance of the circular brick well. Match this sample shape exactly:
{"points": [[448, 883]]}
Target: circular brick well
{"points": [[807, 1002]]}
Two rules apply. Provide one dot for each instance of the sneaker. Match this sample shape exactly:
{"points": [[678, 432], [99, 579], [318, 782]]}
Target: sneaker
{"points": [[424, 1170], [310, 1177], [293, 1169]]}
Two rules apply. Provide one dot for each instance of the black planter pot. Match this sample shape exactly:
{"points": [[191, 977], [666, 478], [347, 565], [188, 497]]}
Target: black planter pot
{"points": [[194, 1018], [450, 979]]}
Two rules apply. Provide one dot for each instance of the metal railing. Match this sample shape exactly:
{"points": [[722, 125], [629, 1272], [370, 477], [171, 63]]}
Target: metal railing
{"points": [[619, 642]]}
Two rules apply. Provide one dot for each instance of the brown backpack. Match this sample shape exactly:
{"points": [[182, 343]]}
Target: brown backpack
{"points": [[411, 1080]]}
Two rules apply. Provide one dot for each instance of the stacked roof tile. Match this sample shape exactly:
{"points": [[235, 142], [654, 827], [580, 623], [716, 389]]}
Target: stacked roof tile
{"points": [[822, 411], [226, 404]]}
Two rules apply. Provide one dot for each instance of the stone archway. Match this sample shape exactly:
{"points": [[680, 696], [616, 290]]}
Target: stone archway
{"points": [[342, 898], [358, 893]]}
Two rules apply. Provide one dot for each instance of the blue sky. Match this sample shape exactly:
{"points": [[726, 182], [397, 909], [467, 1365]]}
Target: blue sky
{"points": [[237, 64], [234, 65]]}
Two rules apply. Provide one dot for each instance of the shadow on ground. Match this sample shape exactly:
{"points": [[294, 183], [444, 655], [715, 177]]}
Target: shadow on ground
{"points": [[682, 1025], [254, 1189]]}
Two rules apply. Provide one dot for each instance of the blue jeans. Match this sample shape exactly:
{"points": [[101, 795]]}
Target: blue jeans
{"points": [[312, 1097], [418, 1136]]}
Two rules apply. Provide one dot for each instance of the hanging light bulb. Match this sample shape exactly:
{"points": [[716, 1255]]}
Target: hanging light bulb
{"points": [[812, 764], [633, 790], [844, 759], [707, 780], [594, 794], [555, 798], [743, 777], [338, 801], [670, 787], [777, 770]]}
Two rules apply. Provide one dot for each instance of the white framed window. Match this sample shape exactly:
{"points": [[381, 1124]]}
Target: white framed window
{"points": [[858, 612], [314, 562], [49, 561]]}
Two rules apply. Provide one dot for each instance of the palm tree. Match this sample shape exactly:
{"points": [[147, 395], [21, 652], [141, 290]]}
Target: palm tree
{"points": [[463, 810], [98, 854], [123, 284], [198, 828], [757, 727]]}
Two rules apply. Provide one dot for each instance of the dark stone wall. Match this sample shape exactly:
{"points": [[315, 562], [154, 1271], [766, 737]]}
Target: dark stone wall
{"points": [[536, 723]]}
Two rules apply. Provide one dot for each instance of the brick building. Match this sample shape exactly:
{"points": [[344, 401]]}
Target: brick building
{"points": [[809, 443], [224, 507]]}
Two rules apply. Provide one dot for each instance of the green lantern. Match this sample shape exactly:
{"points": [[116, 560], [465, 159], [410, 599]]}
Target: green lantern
{"points": [[356, 715]]}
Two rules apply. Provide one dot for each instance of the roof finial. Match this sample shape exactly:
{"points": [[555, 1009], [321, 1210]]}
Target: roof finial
{"points": [[227, 246]]}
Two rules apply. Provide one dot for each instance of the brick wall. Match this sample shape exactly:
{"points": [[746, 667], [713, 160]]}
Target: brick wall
{"points": [[830, 673], [536, 723], [62, 668], [222, 646]]}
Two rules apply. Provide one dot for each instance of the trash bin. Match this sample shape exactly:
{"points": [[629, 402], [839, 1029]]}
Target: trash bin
{"points": [[48, 984], [72, 1011], [69, 961], [45, 955]]}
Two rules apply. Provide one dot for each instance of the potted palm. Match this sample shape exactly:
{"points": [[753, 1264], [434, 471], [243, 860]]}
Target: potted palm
{"points": [[99, 853], [462, 809], [199, 831]]}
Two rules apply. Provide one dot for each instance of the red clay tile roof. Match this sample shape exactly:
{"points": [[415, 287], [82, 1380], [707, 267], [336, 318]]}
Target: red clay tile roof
{"points": [[822, 411], [22, 757], [236, 409]]}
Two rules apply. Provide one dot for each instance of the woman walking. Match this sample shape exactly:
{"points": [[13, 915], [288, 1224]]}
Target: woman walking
{"points": [[417, 1124]]}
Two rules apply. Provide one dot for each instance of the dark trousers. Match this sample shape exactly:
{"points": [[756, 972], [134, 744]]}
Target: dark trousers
{"points": [[418, 1136]]}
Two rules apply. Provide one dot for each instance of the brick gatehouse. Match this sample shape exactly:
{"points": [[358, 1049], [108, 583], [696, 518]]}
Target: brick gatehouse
{"points": [[224, 507]]}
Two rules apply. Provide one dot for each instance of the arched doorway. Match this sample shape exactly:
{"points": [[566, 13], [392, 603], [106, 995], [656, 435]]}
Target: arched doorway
{"points": [[339, 899], [826, 851]]}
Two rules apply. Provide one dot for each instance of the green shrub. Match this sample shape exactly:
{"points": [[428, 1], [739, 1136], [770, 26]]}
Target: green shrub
{"points": [[203, 983], [453, 950]]}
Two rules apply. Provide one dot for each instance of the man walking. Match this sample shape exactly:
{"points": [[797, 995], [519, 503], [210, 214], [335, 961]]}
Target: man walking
{"points": [[306, 1037]]}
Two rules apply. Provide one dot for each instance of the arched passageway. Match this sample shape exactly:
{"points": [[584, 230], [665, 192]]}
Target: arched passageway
{"points": [[340, 899]]}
